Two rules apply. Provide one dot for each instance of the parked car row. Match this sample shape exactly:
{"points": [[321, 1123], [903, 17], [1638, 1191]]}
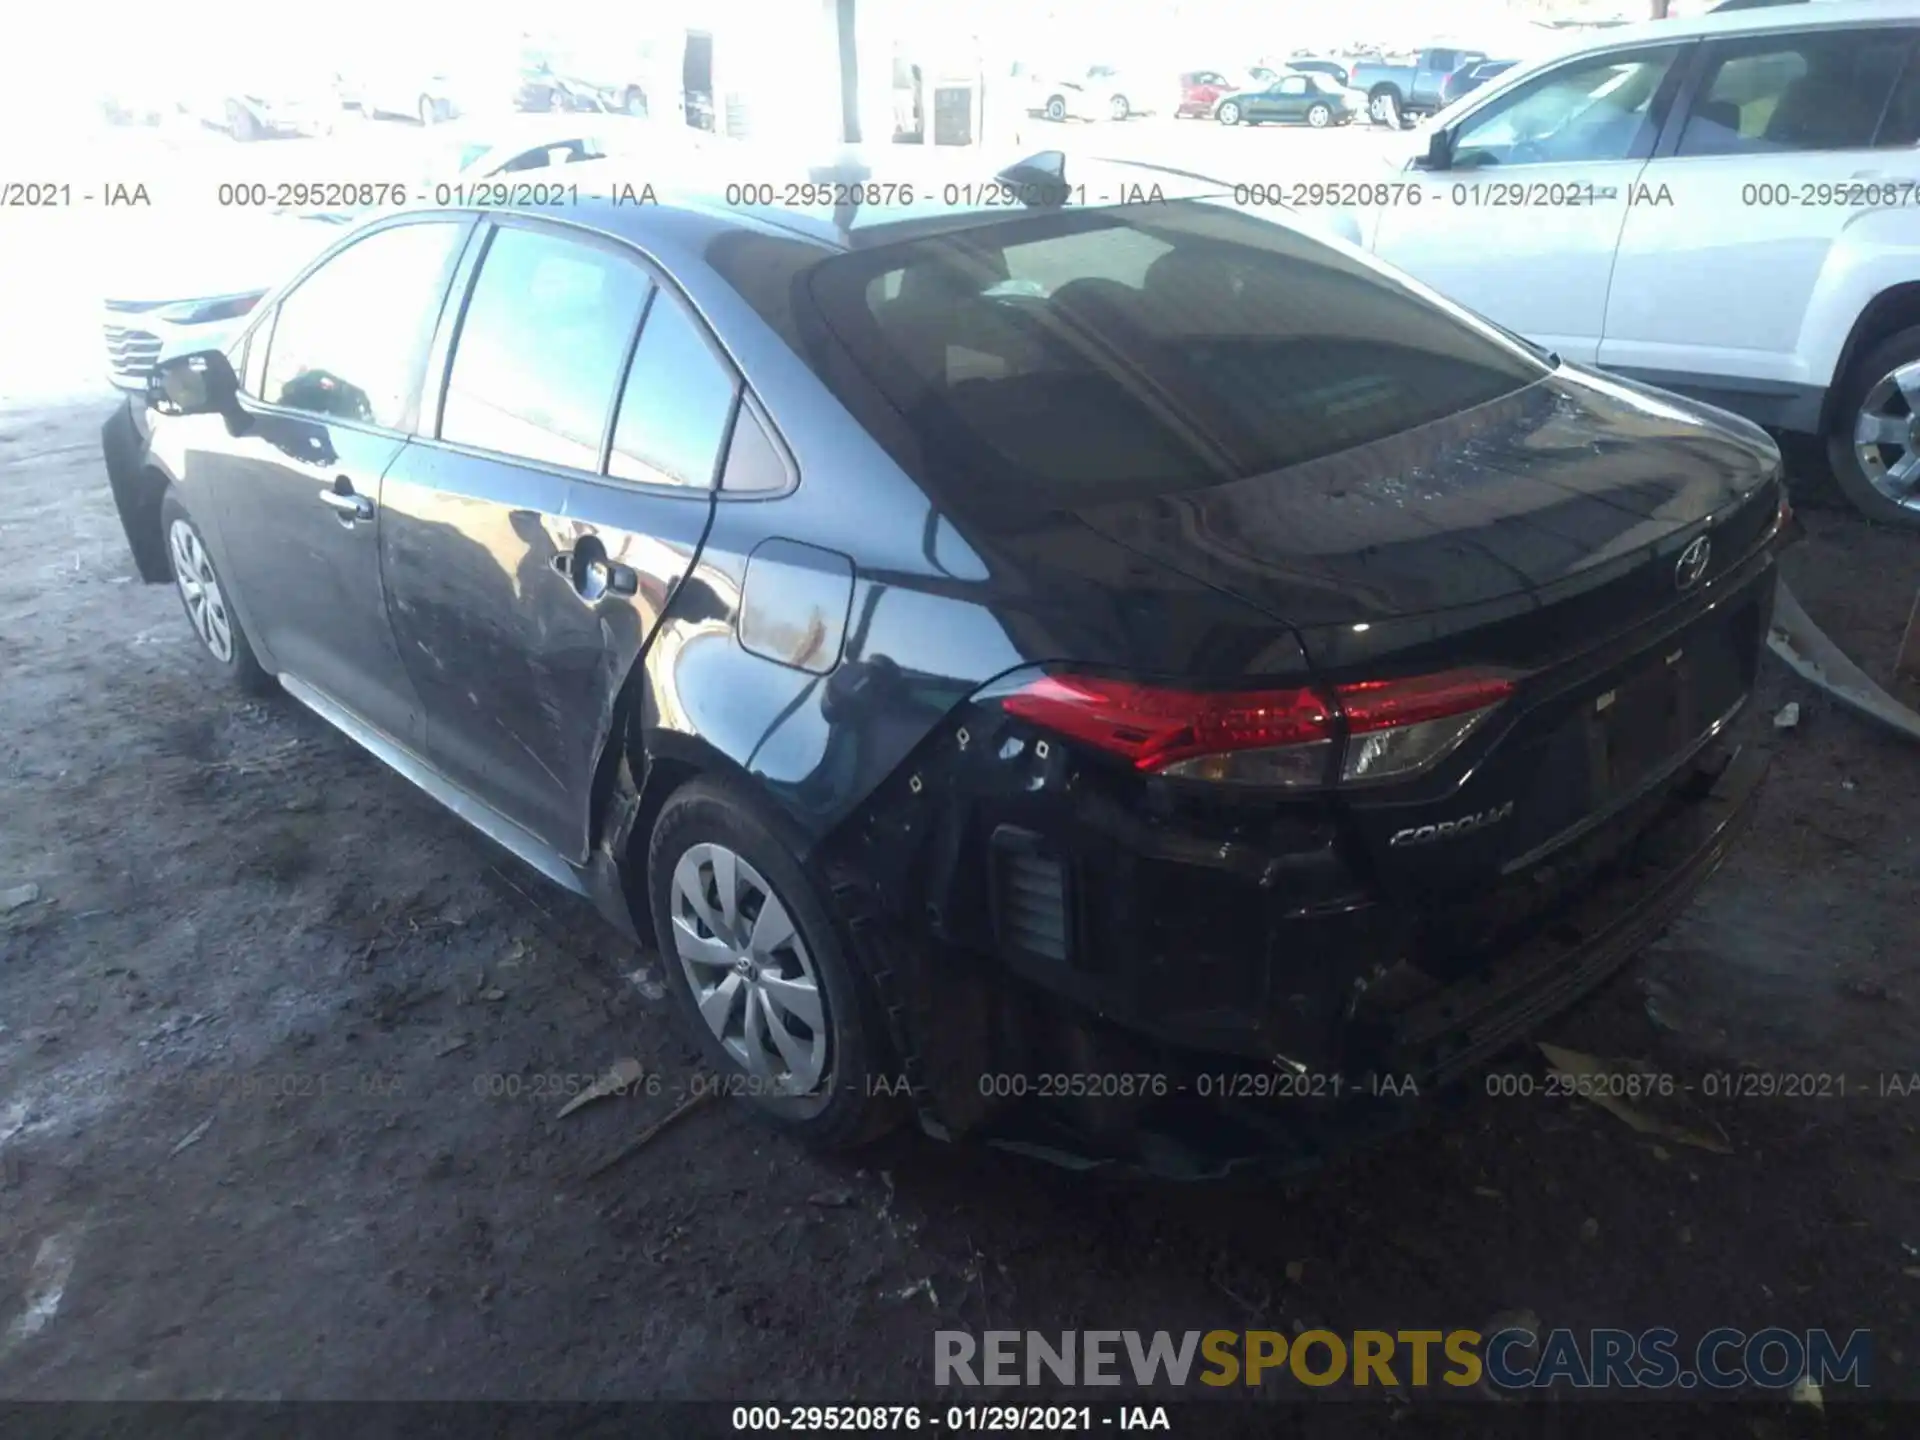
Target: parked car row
{"points": [[294, 97]]}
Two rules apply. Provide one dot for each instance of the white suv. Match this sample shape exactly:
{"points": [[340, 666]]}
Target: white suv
{"points": [[1727, 206]]}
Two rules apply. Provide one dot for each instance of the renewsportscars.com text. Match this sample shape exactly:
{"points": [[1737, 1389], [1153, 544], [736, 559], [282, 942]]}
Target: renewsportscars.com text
{"points": [[1512, 1359]]}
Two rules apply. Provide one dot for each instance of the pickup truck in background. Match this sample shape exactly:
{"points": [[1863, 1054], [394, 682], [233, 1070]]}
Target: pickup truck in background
{"points": [[1398, 93]]}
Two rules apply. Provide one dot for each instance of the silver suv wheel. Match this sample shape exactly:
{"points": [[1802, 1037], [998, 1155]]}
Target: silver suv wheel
{"points": [[1886, 435], [200, 591], [748, 970]]}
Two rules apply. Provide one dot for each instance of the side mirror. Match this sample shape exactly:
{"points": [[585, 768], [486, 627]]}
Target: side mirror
{"points": [[200, 383], [1439, 154]]}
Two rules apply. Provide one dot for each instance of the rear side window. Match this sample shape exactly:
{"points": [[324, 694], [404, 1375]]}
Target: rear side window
{"points": [[1765, 95], [754, 464], [676, 405], [349, 342], [537, 363], [1158, 346]]}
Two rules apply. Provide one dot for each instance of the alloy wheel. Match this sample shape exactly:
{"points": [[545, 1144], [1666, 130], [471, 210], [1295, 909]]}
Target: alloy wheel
{"points": [[1886, 435], [206, 606], [1119, 108], [748, 970], [1318, 117], [1230, 114]]}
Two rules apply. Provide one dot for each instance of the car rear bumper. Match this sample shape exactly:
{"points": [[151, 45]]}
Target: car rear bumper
{"points": [[1284, 1029], [1445, 1035]]}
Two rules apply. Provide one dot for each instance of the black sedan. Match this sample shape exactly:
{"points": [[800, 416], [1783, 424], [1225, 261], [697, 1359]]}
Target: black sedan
{"points": [[1305, 99], [1137, 682]]}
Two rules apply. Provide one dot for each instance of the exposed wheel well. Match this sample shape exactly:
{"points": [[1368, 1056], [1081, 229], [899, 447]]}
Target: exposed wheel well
{"points": [[1891, 310], [146, 535], [631, 784], [663, 777]]}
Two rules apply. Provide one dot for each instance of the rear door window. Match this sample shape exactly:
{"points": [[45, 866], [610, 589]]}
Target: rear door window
{"points": [[676, 405], [1824, 90], [540, 351], [1160, 346]]}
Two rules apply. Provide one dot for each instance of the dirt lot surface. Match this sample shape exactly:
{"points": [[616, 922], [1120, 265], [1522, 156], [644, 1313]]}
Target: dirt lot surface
{"points": [[280, 1041]]}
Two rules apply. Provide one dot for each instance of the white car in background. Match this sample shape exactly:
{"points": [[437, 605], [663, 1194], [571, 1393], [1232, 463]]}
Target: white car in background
{"points": [[514, 144], [1098, 92], [183, 288], [1727, 206]]}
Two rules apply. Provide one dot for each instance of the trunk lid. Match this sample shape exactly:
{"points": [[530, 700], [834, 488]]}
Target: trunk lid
{"points": [[1555, 532], [1511, 508]]}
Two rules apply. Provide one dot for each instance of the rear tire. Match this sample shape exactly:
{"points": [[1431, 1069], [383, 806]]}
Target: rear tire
{"points": [[634, 102], [242, 123], [1118, 107], [1319, 116], [204, 598], [1384, 107], [1056, 109], [1881, 390], [758, 973]]}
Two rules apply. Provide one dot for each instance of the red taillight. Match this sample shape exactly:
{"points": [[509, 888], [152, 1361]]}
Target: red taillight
{"points": [[1276, 737], [1155, 728], [1386, 704]]}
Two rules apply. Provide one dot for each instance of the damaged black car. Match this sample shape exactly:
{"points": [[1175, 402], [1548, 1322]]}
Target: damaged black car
{"points": [[1142, 682]]}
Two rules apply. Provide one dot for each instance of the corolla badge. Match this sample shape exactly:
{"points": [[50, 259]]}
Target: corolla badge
{"points": [[1692, 564], [1452, 829]]}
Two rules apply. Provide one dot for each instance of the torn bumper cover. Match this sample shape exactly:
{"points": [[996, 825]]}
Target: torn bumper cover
{"points": [[1282, 1032]]}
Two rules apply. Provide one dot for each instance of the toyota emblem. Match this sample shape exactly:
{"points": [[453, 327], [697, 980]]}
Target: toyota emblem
{"points": [[1692, 564]]}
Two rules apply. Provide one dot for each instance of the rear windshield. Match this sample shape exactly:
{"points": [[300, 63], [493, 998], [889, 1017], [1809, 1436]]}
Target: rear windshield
{"points": [[1145, 348]]}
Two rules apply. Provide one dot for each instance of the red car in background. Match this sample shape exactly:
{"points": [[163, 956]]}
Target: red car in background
{"points": [[1201, 91]]}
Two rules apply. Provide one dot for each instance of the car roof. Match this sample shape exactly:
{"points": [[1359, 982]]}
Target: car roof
{"points": [[682, 219], [977, 194]]}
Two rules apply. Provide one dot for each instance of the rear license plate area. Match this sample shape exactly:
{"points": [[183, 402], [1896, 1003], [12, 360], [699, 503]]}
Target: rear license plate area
{"points": [[1644, 721], [1637, 724]]}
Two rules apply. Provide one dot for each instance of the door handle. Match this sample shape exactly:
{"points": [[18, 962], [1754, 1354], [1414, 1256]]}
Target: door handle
{"points": [[347, 505]]}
